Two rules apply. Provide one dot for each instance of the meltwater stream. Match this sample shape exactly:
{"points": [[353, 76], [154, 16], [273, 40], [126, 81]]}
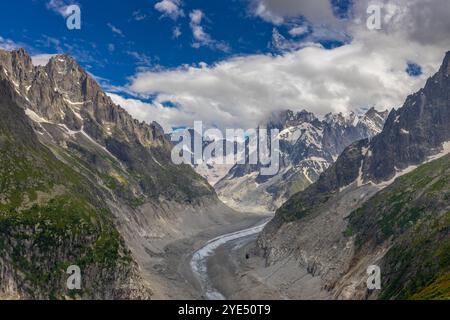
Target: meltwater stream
{"points": [[200, 258]]}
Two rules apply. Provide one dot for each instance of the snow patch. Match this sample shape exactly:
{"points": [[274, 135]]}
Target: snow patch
{"points": [[100, 146], [445, 151], [35, 117], [305, 173], [69, 132], [157, 162], [360, 180], [403, 131]]}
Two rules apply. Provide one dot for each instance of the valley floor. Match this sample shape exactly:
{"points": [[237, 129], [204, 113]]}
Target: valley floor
{"points": [[235, 268], [172, 277], [239, 271]]}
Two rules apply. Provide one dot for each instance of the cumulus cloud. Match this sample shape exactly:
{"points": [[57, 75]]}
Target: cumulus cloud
{"points": [[277, 11], [156, 111], [423, 21], [170, 8], [370, 70]]}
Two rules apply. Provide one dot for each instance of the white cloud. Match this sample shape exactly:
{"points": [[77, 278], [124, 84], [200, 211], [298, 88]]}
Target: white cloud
{"points": [[38, 59], [60, 6], [368, 71], [139, 16], [277, 11], [280, 43], [141, 58], [423, 21], [149, 112], [115, 29], [200, 36], [243, 91], [197, 30], [176, 32], [170, 8], [298, 31], [196, 17], [41, 59]]}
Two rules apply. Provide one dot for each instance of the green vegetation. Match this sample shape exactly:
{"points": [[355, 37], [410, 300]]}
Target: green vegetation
{"points": [[412, 217], [438, 290], [50, 218]]}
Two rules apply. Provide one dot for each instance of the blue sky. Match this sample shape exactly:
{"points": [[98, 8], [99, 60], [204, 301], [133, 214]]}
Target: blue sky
{"points": [[232, 62], [117, 37], [143, 36]]}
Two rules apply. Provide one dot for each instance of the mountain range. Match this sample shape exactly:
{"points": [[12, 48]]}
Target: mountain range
{"points": [[308, 146], [83, 183], [384, 202]]}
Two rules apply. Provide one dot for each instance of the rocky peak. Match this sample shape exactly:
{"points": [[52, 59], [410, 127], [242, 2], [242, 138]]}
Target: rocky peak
{"points": [[62, 92], [375, 115], [69, 110], [18, 65], [308, 146], [411, 135], [288, 118], [340, 119], [70, 79], [445, 68]]}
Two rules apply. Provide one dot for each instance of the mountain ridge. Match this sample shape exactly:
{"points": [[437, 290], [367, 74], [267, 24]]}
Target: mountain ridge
{"points": [[138, 200], [68, 97], [308, 147], [320, 226]]}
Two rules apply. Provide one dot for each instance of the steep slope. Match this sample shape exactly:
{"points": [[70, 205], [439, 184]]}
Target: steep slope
{"points": [[411, 218], [308, 147], [66, 99], [51, 218], [123, 167], [312, 225]]}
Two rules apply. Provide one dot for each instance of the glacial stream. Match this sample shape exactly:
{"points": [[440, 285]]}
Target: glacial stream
{"points": [[200, 258]]}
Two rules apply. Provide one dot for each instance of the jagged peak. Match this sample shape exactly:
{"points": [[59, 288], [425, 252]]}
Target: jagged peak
{"points": [[445, 64], [444, 70], [373, 112], [63, 58], [285, 118], [21, 52]]}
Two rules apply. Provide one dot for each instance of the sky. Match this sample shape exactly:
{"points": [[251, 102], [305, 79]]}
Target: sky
{"points": [[231, 63]]}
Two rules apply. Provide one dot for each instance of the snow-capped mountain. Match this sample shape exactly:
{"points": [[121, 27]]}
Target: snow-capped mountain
{"points": [[384, 202], [308, 146]]}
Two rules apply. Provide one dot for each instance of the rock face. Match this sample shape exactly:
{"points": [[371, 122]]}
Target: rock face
{"points": [[308, 147], [313, 226], [410, 223], [80, 182], [63, 94]]}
